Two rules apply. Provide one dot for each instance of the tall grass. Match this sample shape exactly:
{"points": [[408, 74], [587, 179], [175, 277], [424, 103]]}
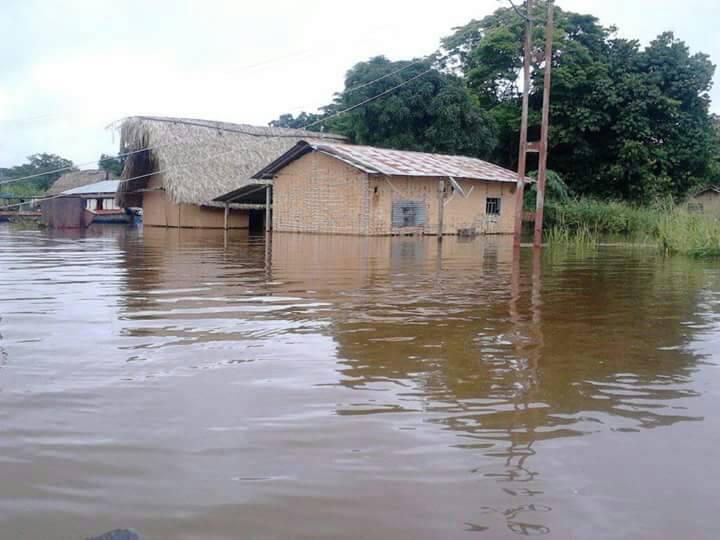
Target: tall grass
{"points": [[582, 239], [580, 222], [689, 234], [604, 217]]}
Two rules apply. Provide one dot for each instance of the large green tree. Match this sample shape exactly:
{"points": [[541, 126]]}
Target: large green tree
{"points": [[430, 110], [44, 168], [626, 122]]}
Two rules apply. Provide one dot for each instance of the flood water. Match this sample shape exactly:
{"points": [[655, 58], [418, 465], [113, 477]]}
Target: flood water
{"points": [[195, 387]]}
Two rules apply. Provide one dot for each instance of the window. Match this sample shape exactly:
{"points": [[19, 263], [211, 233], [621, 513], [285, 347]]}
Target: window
{"points": [[492, 206], [408, 213], [696, 208]]}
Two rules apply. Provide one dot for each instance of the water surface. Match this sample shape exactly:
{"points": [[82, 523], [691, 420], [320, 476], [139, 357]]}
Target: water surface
{"points": [[194, 386]]}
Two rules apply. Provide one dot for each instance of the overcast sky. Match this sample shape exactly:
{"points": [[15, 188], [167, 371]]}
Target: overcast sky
{"points": [[68, 69]]}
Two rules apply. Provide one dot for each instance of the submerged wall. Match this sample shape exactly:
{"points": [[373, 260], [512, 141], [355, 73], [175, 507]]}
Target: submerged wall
{"points": [[64, 213], [461, 212], [160, 211], [318, 193]]}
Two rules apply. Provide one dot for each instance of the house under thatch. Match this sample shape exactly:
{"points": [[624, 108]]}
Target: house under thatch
{"points": [[190, 162], [76, 179]]}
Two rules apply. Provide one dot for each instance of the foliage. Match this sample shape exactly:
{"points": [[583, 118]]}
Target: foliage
{"points": [[581, 239], [695, 235], [301, 121], [626, 122], [48, 167], [556, 191], [112, 164], [433, 112], [604, 217], [580, 222]]}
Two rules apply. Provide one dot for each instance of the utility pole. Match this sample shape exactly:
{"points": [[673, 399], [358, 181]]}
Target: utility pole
{"points": [[542, 163], [522, 156], [441, 209]]}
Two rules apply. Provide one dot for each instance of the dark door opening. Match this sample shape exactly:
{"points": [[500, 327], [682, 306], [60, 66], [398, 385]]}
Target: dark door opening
{"points": [[257, 220]]}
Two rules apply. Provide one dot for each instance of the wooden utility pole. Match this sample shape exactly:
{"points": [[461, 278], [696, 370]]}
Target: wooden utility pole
{"points": [[268, 215], [522, 155], [542, 163], [441, 209]]}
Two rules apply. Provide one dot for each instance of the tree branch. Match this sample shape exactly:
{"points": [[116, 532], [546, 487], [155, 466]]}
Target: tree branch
{"points": [[521, 14]]}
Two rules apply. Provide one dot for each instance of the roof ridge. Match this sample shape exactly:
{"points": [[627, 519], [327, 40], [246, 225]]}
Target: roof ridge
{"points": [[233, 127]]}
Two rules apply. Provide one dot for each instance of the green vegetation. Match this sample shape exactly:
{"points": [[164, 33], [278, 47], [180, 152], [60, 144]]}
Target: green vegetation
{"points": [[689, 234], [433, 113], [582, 222], [112, 164], [45, 166], [628, 123]]}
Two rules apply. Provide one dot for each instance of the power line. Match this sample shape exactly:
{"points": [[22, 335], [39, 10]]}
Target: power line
{"points": [[368, 100], [190, 122], [73, 166], [363, 85]]}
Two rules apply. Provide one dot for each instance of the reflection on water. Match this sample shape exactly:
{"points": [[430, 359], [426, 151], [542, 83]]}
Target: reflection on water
{"points": [[192, 385]]}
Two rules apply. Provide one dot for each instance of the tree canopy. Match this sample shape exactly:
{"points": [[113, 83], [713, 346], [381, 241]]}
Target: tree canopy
{"points": [[112, 164], [432, 112], [627, 122], [49, 167]]}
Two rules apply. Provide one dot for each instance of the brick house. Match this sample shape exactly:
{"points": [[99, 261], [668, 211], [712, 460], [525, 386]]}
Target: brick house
{"points": [[321, 187]]}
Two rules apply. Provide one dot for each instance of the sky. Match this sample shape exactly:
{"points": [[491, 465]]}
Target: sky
{"points": [[70, 70]]}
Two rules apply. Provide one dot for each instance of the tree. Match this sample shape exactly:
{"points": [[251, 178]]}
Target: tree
{"points": [[302, 121], [47, 167], [626, 122], [433, 112], [112, 164]]}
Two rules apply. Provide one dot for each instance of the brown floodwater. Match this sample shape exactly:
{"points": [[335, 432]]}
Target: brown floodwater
{"points": [[192, 386]]}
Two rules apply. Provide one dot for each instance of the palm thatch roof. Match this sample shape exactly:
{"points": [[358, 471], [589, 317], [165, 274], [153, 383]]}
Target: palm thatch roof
{"points": [[76, 179], [198, 160]]}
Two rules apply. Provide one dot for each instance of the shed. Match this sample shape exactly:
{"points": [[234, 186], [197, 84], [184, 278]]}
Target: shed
{"points": [[189, 163], [325, 187], [705, 201], [81, 206]]}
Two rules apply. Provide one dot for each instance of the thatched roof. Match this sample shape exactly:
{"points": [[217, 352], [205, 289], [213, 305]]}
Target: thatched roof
{"points": [[75, 179], [199, 160]]}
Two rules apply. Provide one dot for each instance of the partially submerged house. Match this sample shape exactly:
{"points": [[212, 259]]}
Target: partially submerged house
{"points": [[81, 206], [326, 187], [188, 163], [705, 201]]}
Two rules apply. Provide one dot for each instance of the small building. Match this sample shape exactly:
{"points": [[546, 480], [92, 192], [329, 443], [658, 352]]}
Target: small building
{"points": [[81, 206], [324, 187], [176, 167], [705, 201]]}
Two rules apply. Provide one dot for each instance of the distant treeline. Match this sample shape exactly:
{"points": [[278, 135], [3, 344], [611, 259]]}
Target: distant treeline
{"points": [[627, 122], [44, 170]]}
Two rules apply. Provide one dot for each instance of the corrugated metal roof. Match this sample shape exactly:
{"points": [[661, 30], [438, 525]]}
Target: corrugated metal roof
{"points": [[398, 162], [106, 186]]}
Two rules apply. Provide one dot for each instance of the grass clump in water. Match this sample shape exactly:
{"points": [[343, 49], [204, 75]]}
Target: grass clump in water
{"points": [[695, 235], [581, 239]]}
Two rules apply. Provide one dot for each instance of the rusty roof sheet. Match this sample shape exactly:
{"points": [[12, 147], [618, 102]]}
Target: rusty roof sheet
{"points": [[405, 163]]}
